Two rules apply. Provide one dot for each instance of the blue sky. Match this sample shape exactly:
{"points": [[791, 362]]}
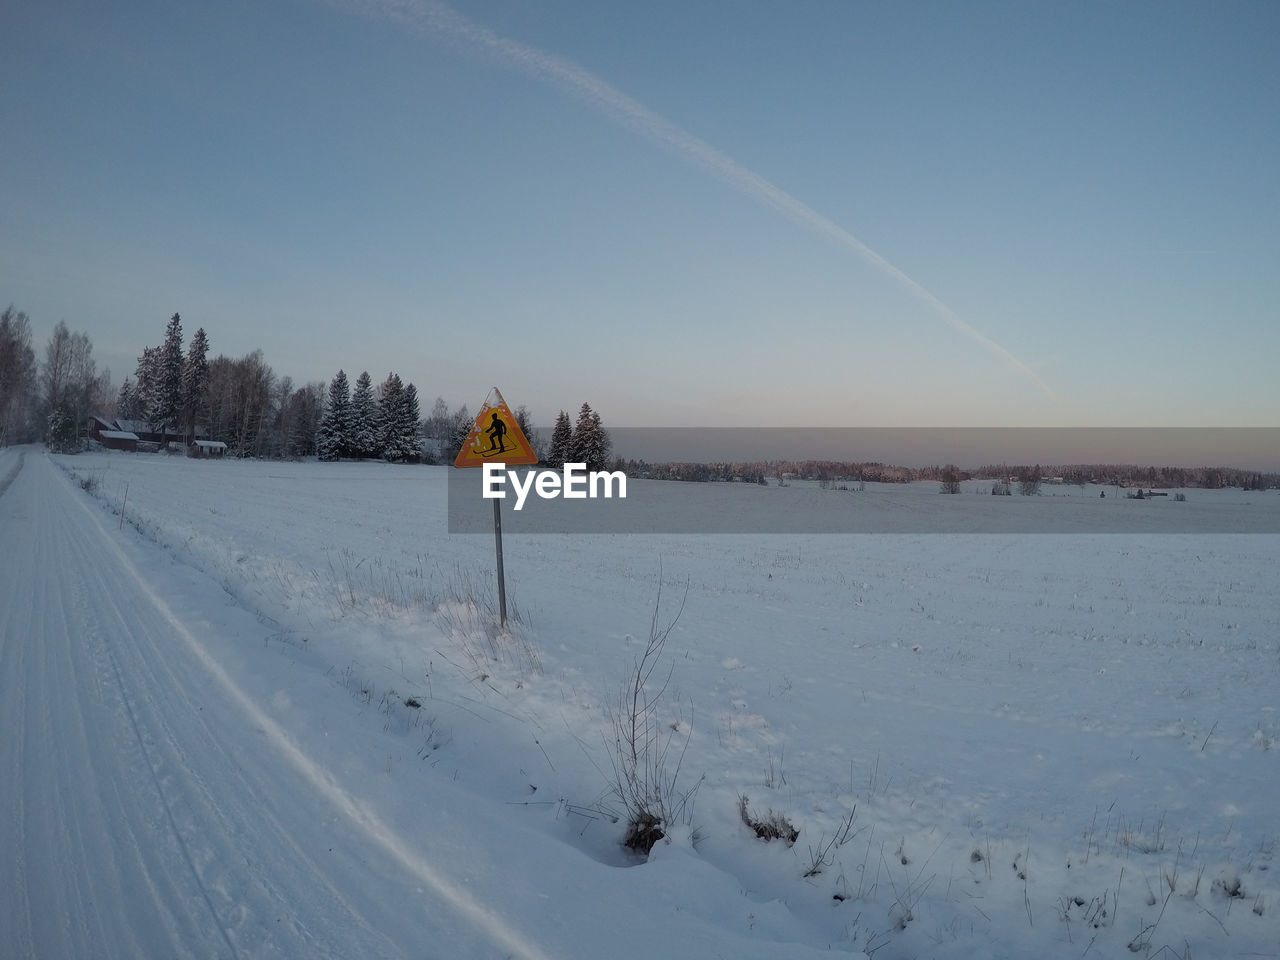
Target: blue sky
{"points": [[816, 213]]}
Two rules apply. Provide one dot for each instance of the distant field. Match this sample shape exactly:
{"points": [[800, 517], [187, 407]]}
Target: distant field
{"points": [[802, 506]]}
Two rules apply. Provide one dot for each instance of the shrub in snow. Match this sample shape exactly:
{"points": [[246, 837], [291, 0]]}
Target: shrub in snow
{"points": [[645, 756], [772, 826], [824, 854], [1228, 885]]}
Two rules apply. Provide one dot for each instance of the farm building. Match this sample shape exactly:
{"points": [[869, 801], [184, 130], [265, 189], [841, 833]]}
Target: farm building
{"points": [[119, 440], [138, 436], [206, 448], [109, 434]]}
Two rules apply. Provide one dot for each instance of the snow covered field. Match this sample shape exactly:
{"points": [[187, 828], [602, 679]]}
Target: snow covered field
{"points": [[269, 715]]}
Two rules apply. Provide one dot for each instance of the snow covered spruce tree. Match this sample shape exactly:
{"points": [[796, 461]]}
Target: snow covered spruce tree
{"points": [[460, 423], [159, 395], [195, 383], [538, 443], [167, 411], [603, 442], [364, 419], [397, 420], [591, 444], [128, 405], [561, 441], [334, 439], [147, 377], [410, 420]]}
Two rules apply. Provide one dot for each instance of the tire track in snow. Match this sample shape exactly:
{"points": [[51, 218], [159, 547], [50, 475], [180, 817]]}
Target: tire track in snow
{"points": [[208, 801], [174, 830], [86, 872], [102, 797], [15, 627], [164, 753]]}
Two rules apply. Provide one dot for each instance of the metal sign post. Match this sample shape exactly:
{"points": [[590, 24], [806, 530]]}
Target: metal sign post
{"points": [[497, 546], [496, 437]]}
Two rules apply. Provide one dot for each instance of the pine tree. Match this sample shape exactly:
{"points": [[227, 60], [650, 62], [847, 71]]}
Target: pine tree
{"points": [[168, 408], [561, 441], [60, 430], [603, 443], [590, 444], [578, 447], [147, 392], [396, 446], [195, 382], [524, 420], [460, 426], [364, 419], [127, 402], [334, 439], [410, 414]]}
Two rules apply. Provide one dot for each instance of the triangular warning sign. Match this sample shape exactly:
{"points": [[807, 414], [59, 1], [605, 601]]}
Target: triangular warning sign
{"points": [[495, 437]]}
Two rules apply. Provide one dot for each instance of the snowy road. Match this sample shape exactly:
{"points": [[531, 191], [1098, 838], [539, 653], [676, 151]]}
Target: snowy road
{"points": [[135, 824]]}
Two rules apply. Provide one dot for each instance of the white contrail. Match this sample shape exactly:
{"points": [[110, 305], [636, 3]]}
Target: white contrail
{"points": [[429, 16]]}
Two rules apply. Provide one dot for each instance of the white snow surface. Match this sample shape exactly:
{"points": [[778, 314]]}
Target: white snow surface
{"points": [[991, 746]]}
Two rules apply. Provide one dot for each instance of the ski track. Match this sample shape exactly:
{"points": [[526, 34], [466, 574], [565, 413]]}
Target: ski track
{"points": [[116, 762]]}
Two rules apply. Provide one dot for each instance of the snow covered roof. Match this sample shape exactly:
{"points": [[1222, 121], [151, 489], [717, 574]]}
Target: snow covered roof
{"points": [[117, 435], [210, 444]]}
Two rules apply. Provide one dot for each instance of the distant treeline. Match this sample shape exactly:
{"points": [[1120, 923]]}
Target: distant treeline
{"points": [[839, 471]]}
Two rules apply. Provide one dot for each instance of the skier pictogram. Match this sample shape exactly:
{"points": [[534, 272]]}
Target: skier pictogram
{"points": [[495, 437]]}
